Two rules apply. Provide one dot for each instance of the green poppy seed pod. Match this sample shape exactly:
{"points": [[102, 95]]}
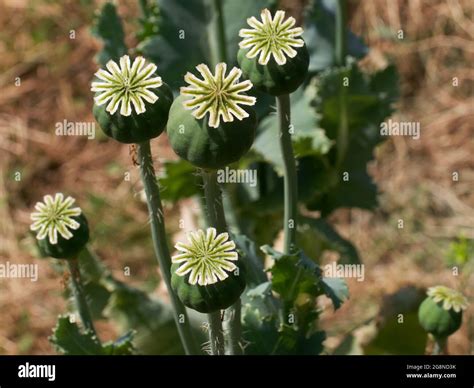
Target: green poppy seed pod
{"points": [[272, 54], [210, 280], [131, 102], [212, 130], [61, 230], [441, 312]]}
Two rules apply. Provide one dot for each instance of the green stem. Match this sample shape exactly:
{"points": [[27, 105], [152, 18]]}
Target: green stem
{"points": [[216, 217], [234, 328], [340, 58], [290, 186], [290, 177], [80, 296], [214, 206], [220, 55], [213, 194], [438, 346], [160, 243], [216, 334], [340, 49]]}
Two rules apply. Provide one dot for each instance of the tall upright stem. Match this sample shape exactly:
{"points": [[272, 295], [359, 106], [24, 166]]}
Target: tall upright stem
{"points": [[340, 44], [80, 296], [234, 328], [214, 206], [290, 177], [216, 217], [340, 58], [216, 334], [214, 191], [439, 346], [220, 55], [160, 244]]}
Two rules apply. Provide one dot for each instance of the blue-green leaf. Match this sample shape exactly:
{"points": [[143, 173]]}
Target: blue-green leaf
{"points": [[336, 289], [319, 35], [108, 28], [185, 27], [317, 235], [70, 340], [308, 138]]}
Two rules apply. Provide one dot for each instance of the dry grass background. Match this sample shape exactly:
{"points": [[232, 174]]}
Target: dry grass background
{"points": [[414, 176]]}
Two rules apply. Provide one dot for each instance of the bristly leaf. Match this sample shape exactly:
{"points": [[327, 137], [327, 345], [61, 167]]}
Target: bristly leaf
{"points": [[293, 275], [123, 346], [369, 101], [133, 309], [297, 275], [108, 28], [69, 340]]}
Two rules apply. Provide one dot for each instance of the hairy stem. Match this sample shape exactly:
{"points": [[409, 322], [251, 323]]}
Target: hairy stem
{"points": [[290, 178], [216, 334], [80, 296], [215, 208], [160, 243], [216, 217], [234, 328]]}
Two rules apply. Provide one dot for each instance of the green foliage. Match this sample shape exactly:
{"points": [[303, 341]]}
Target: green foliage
{"points": [[108, 28], [336, 289], [121, 347], [320, 35], [254, 270], [152, 319], [460, 251], [70, 340], [130, 309], [308, 138], [193, 18], [330, 99], [397, 327], [178, 179], [263, 333], [316, 235], [149, 20], [297, 275], [407, 338], [368, 100]]}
